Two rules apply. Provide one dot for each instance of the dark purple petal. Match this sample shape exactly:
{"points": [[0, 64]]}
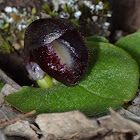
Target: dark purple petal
{"points": [[58, 48]]}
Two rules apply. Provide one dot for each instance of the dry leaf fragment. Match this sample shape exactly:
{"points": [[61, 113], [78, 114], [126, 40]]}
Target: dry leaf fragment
{"points": [[76, 126], [129, 115], [2, 137], [125, 113], [135, 109], [21, 128], [8, 89], [120, 124], [64, 125], [2, 116]]}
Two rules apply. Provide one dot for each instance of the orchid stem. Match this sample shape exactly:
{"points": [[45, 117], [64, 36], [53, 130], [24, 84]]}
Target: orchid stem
{"points": [[46, 82]]}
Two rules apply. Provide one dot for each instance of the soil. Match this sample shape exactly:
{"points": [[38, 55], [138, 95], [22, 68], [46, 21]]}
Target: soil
{"points": [[13, 65]]}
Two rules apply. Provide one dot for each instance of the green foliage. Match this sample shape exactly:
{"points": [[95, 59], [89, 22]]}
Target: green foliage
{"points": [[138, 30], [50, 12], [111, 80], [53, 100], [2, 83], [97, 38], [131, 44], [5, 46], [47, 9], [12, 28], [12, 25], [81, 14], [67, 8], [34, 11]]}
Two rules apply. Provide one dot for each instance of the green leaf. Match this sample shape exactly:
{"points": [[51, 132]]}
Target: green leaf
{"points": [[47, 9], [111, 80], [60, 99], [52, 13], [75, 22], [97, 1], [138, 30], [6, 25], [106, 6], [10, 38], [97, 38], [65, 7], [5, 47], [34, 11], [69, 8], [131, 44], [2, 83], [114, 74]]}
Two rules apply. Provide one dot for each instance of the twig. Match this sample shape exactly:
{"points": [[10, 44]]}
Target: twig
{"points": [[9, 80], [133, 118], [17, 118]]}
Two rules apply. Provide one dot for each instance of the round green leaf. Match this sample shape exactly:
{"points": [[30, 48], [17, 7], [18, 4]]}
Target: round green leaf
{"points": [[97, 38], [61, 99], [131, 44], [111, 80], [2, 83], [114, 73], [138, 30]]}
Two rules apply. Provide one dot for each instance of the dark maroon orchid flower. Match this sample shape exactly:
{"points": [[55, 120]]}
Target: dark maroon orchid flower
{"points": [[56, 47]]}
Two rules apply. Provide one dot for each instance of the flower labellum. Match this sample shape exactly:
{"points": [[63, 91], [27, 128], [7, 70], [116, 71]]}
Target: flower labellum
{"points": [[56, 47]]}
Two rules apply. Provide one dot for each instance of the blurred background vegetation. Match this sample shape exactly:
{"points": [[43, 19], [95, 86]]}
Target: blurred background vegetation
{"points": [[91, 17]]}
